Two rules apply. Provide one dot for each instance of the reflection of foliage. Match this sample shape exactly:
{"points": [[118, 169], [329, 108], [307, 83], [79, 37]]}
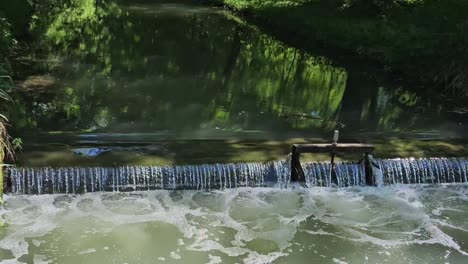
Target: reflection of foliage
{"points": [[426, 40], [79, 27], [135, 72], [71, 107], [17, 144], [289, 80], [393, 104], [379, 6], [246, 4], [102, 118], [163, 85], [6, 43], [367, 4]]}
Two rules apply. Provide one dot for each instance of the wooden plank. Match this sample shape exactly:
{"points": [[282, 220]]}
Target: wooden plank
{"points": [[331, 148]]}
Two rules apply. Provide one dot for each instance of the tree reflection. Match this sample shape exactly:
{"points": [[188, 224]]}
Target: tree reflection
{"points": [[147, 68], [124, 70]]}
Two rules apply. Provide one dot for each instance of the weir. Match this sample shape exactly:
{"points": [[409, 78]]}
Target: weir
{"points": [[297, 172], [221, 176]]}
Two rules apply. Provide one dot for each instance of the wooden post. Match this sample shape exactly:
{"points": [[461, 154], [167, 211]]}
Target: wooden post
{"points": [[368, 169], [333, 176], [297, 173]]}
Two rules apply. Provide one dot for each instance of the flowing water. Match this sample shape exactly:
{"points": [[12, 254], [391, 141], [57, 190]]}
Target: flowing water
{"points": [[239, 213], [134, 76], [223, 176], [396, 224]]}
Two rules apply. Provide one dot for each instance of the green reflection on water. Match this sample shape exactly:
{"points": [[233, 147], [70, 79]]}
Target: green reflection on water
{"points": [[126, 69], [148, 72]]}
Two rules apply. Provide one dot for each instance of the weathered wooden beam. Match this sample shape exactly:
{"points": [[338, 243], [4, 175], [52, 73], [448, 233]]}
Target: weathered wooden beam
{"points": [[297, 173], [332, 148]]}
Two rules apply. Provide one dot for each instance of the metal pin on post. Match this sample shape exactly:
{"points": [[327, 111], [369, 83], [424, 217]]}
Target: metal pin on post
{"points": [[335, 137], [332, 155]]}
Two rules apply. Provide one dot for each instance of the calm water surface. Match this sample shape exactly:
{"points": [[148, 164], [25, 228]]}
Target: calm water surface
{"points": [[146, 71]]}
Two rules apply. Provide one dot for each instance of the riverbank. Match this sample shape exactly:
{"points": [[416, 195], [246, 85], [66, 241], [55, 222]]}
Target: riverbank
{"points": [[421, 41], [5, 42]]}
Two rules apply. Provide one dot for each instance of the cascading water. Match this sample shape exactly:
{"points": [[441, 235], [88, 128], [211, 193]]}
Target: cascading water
{"points": [[242, 225], [222, 176], [141, 178], [388, 171], [417, 171], [318, 174]]}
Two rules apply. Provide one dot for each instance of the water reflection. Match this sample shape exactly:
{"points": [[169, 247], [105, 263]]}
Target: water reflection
{"points": [[180, 69]]}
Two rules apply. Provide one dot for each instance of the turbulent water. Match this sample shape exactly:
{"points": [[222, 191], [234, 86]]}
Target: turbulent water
{"points": [[213, 214], [396, 224], [222, 176]]}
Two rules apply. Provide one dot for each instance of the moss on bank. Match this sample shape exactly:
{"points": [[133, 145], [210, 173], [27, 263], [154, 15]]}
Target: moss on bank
{"points": [[424, 40]]}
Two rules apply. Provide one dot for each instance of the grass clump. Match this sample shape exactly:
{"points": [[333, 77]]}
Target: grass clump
{"points": [[7, 43]]}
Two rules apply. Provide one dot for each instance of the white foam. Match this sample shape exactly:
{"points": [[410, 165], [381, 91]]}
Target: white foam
{"points": [[244, 215], [40, 259], [87, 251], [339, 261], [214, 259], [175, 255]]}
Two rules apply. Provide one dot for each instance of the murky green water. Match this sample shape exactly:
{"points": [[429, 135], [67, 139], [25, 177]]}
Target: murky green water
{"points": [[144, 73], [156, 71], [399, 224]]}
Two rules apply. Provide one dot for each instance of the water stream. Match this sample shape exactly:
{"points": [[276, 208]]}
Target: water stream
{"points": [[149, 74], [221, 176], [393, 224]]}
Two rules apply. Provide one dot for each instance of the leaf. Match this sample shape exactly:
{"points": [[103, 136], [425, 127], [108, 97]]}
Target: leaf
{"points": [[9, 78], [4, 95], [4, 117]]}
